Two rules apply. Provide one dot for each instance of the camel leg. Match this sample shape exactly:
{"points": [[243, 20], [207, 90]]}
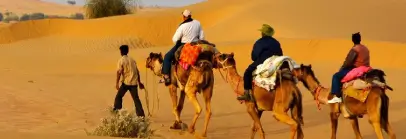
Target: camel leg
{"points": [[207, 94], [283, 117], [252, 111], [254, 128], [377, 126], [334, 124], [174, 97], [355, 127], [375, 117], [295, 114], [198, 108], [390, 131], [180, 103]]}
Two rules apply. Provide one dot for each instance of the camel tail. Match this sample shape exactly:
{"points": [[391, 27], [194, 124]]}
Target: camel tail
{"points": [[384, 111]]}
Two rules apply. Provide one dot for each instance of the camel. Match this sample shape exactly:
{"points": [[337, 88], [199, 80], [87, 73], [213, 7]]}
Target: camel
{"points": [[199, 79], [376, 104], [285, 97]]}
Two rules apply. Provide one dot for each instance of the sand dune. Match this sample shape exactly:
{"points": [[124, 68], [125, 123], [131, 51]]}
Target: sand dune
{"points": [[34, 6], [57, 75]]}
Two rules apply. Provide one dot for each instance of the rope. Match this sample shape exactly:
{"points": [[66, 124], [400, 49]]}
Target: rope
{"points": [[151, 112]]}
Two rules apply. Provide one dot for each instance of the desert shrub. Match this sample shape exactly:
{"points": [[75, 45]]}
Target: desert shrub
{"points": [[1, 17], [123, 124], [105, 8], [77, 16], [55, 16], [25, 17], [7, 13], [36, 16], [11, 17]]}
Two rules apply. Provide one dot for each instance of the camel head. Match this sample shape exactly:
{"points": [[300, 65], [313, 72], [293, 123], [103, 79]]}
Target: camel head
{"points": [[305, 74], [225, 60], [154, 63]]}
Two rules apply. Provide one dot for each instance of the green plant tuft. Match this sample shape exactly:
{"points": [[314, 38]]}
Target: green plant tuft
{"points": [[106, 8]]}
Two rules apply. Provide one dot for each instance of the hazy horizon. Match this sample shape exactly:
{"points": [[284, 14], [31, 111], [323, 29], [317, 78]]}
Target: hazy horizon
{"points": [[167, 3]]}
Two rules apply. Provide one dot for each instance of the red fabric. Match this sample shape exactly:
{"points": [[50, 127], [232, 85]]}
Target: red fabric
{"points": [[189, 54], [355, 73]]}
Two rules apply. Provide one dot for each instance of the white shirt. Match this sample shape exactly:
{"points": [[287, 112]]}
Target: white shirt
{"points": [[189, 32]]}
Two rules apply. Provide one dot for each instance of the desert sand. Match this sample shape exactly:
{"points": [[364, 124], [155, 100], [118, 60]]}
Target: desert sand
{"points": [[57, 76]]}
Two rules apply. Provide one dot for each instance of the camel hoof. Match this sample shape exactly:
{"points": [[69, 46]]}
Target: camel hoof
{"points": [[177, 125], [191, 130]]}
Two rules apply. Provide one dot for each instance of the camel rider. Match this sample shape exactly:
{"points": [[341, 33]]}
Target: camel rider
{"points": [[188, 31], [358, 56], [264, 48]]}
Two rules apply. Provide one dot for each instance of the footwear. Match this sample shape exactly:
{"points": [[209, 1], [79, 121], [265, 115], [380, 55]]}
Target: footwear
{"points": [[246, 96], [335, 100], [165, 80]]}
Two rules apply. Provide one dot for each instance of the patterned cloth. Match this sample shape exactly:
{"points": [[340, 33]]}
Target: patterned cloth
{"points": [[265, 74], [189, 55]]}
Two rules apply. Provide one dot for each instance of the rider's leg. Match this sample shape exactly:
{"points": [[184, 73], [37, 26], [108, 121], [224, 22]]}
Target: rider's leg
{"points": [[248, 82], [166, 67], [336, 85]]}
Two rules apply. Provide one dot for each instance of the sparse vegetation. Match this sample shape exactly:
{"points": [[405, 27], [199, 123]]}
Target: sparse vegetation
{"points": [[79, 16], [36, 16], [123, 124], [1, 17], [10, 17], [106, 8], [25, 17]]}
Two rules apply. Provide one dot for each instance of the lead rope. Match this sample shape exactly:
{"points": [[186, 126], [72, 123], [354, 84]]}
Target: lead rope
{"points": [[155, 95], [151, 113]]}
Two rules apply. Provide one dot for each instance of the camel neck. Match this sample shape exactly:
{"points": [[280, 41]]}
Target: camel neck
{"points": [[235, 80], [312, 85]]}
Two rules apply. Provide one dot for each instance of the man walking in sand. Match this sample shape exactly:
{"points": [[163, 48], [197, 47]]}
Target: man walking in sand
{"points": [[130, 80]]}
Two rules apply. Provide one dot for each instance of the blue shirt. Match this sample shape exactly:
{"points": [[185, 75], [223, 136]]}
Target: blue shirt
{"points": [[266, 47]]}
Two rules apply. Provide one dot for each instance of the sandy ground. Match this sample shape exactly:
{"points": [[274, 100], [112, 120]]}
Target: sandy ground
{"points": [[57, 76]]}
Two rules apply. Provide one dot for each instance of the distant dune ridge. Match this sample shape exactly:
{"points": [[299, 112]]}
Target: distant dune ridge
{"points": [[71, 63]]}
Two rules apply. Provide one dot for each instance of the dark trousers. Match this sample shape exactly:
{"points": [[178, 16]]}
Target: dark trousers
{"points": [[248, 75], [336, 81], [118, 102], [169, 56]]}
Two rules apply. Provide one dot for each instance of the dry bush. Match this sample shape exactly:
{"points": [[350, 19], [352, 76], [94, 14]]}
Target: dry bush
{"points": [[37, 16], [106, 8], [10, 17], [1, 17], [124, 124], [24, 17], [78, 16]]}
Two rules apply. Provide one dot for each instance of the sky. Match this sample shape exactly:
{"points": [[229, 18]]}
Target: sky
{"points": [[171, 3]]}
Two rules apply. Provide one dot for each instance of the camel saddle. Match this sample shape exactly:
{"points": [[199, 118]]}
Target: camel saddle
{"points": [[358, 88], [272, 69], [187, 54]]}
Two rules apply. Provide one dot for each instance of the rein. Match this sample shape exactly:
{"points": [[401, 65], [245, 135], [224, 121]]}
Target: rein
{"points": [[224, 68], [316, 92], [151, 112]]}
